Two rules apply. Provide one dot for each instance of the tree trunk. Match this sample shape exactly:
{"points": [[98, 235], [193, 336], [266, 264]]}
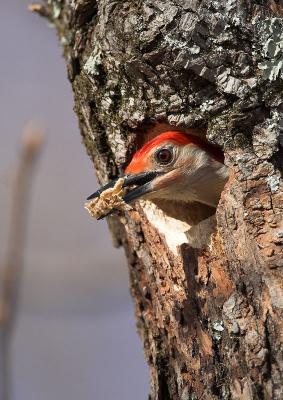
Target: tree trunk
{"points": [[208, 305]]}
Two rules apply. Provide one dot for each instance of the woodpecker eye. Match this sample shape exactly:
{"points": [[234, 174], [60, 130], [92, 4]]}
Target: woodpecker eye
{"points": [[164, 156]]}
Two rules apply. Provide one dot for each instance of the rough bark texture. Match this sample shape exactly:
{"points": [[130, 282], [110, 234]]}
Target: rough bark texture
{"points": [[210, 316]]}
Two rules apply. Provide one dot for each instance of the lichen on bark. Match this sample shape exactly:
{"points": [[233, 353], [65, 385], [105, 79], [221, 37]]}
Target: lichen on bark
{"points": [[211, 317]]}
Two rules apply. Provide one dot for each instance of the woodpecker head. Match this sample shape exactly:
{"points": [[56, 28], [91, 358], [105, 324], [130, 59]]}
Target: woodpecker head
{"points": [[175, 166]]}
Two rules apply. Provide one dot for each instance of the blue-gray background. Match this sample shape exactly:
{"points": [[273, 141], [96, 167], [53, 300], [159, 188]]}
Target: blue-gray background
{"points": [[75, 336]]}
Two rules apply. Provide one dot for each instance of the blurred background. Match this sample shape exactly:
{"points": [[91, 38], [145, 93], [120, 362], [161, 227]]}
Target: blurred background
{"points": [[75, 335]]}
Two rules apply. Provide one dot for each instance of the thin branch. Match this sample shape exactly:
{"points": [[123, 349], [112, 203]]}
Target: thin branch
{"points": [[13, 263]]}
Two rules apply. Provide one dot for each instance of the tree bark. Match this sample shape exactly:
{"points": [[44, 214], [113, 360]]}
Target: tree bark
{"points": [[208, 305]]}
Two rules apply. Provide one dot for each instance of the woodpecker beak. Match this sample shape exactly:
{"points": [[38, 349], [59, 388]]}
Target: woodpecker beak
{"points": [[141, 181]]}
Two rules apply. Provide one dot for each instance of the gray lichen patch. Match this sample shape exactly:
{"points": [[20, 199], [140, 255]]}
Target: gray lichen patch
{"points": [[56, 7], [230, 84], [273, 182], [218, 329], [271, 40], [93, 61], [265, 139]]}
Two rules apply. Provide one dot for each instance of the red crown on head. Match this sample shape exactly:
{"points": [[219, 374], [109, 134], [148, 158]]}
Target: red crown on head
{"points": [[139, 160]]}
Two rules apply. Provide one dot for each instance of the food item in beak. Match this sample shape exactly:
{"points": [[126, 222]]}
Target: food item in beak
{"points": [[109, 200]]}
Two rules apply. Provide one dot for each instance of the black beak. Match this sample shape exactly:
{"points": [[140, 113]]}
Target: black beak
{"points": [[140, 180], [142, 183]]}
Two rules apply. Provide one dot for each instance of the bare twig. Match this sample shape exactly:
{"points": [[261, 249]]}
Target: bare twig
{"points": [[39, 9], [12, 268]]}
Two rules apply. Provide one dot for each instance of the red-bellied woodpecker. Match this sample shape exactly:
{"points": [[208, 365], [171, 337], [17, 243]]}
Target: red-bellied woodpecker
{"points": [[175, 166]]}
